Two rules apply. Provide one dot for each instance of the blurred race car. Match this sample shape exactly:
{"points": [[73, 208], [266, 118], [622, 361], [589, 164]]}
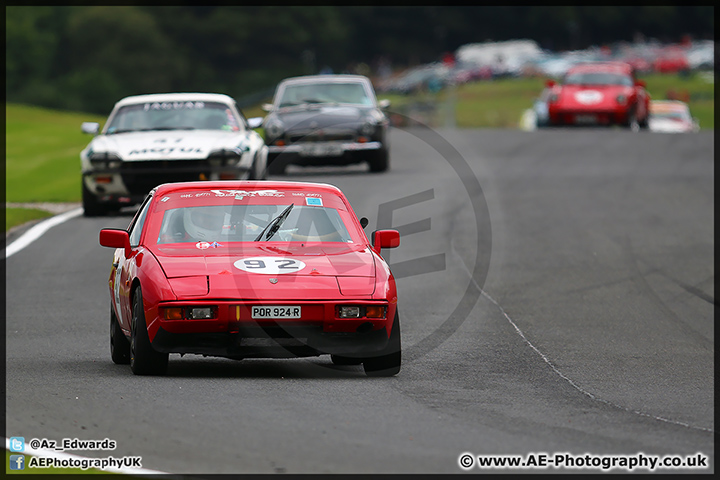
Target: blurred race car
{"points": [[251, 269], [599, 93], [170, 137], [326, 120], [671, 116]]}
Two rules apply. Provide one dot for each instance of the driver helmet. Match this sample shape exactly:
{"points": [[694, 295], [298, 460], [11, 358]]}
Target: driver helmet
{"points": [[204, 223]]}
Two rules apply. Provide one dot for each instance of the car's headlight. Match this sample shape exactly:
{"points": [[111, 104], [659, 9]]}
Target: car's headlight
{"points": [[228, 156], [104, 158], [274, 128], [368, 128], [621, 99]]}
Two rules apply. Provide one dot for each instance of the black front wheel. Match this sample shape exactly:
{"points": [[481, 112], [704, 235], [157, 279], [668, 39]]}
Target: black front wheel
{"points": [[91, 205], [379, 161], [144, 360], [275, 164], [387, 362]]}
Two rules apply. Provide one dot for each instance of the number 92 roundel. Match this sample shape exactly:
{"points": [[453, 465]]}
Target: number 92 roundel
{"points": [[269, 265]]}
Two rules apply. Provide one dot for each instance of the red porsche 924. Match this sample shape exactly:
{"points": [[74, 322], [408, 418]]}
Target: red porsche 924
{"points": [[248, 269], [599, 93]]}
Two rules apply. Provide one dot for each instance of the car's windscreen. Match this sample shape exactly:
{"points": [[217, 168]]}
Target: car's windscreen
{"points": [[670, 115], [302, 94], [244, 223], [173, 116], [598, 78]]}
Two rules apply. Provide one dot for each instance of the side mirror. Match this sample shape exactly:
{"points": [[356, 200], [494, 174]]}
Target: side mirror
{"points": [[255, 122], [116, 238], [91, 128], [268, 107], [550, 83], [384, 103], [385, 239], [640, 83]]}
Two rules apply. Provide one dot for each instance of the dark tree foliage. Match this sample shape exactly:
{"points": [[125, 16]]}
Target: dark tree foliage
{"points": [[87, 57]]}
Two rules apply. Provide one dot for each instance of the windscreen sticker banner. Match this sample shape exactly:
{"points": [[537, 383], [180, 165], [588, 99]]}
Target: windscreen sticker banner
{"points": [[173, 105], [247, 193], [269, 265]]}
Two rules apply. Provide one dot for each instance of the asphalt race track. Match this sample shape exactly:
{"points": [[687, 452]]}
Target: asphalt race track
{"points": [[556, 296]]}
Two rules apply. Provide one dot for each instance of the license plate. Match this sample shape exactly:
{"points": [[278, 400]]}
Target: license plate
{"points": [[585, 119], [321, 150], [273, 311]]}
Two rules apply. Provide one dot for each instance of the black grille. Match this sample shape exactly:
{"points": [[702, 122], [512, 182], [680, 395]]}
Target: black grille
{"points": [[141, 177], [323, 137]]}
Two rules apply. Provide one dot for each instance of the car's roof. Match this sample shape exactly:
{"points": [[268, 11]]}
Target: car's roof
{"points": [[619, 67], [247, 185], [326, 79], [176, 97]]}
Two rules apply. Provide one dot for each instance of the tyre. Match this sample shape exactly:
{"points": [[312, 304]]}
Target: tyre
{"points": [[379, 161], [255, 172], [632, 122], [119, 345], [340, 360], [91, 205], [275, 165], [388, 362], [144, 360]]}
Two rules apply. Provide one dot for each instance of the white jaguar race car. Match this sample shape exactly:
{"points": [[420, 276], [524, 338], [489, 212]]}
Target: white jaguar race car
{"points": [[170, 137]]}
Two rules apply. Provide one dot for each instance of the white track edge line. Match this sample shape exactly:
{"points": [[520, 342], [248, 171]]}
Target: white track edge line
{"points": [[38, 230]]}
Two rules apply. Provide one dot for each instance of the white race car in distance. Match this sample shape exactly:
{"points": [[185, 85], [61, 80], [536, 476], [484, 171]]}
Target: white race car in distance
{"points": [[170, 137]]}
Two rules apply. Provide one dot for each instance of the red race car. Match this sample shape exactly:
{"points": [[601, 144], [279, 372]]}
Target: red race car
{"points": [[599, 93], [243, 269]]}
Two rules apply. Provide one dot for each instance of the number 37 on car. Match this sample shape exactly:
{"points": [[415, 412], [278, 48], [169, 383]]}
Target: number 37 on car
{"points": [[246, 269]]}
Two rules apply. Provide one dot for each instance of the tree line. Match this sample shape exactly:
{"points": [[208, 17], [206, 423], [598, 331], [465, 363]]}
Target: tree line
{"points": [[85, 58]]}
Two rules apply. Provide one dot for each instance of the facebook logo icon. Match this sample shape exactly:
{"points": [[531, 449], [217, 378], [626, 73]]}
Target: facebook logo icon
{"points": [[17, 462], [17, 444]]}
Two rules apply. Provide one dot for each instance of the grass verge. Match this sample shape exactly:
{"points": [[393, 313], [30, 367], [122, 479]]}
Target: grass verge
{"points": [[19, 216]]}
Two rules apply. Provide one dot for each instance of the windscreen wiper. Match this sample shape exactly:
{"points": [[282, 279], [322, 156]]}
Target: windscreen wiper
{"points": [[274, 224]]}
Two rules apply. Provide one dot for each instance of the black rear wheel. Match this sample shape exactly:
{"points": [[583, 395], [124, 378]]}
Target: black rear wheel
{"points": [[387, 362], [119, 345], [144, 360]]}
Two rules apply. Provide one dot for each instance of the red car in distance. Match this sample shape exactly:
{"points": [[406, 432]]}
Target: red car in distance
{"points": [[599, 93], [244, 269]]}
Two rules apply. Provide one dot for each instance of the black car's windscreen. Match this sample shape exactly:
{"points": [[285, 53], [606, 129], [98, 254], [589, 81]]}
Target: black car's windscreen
{"points": [[243, 223], [598, 78], [173, 115], [350, 93]]}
